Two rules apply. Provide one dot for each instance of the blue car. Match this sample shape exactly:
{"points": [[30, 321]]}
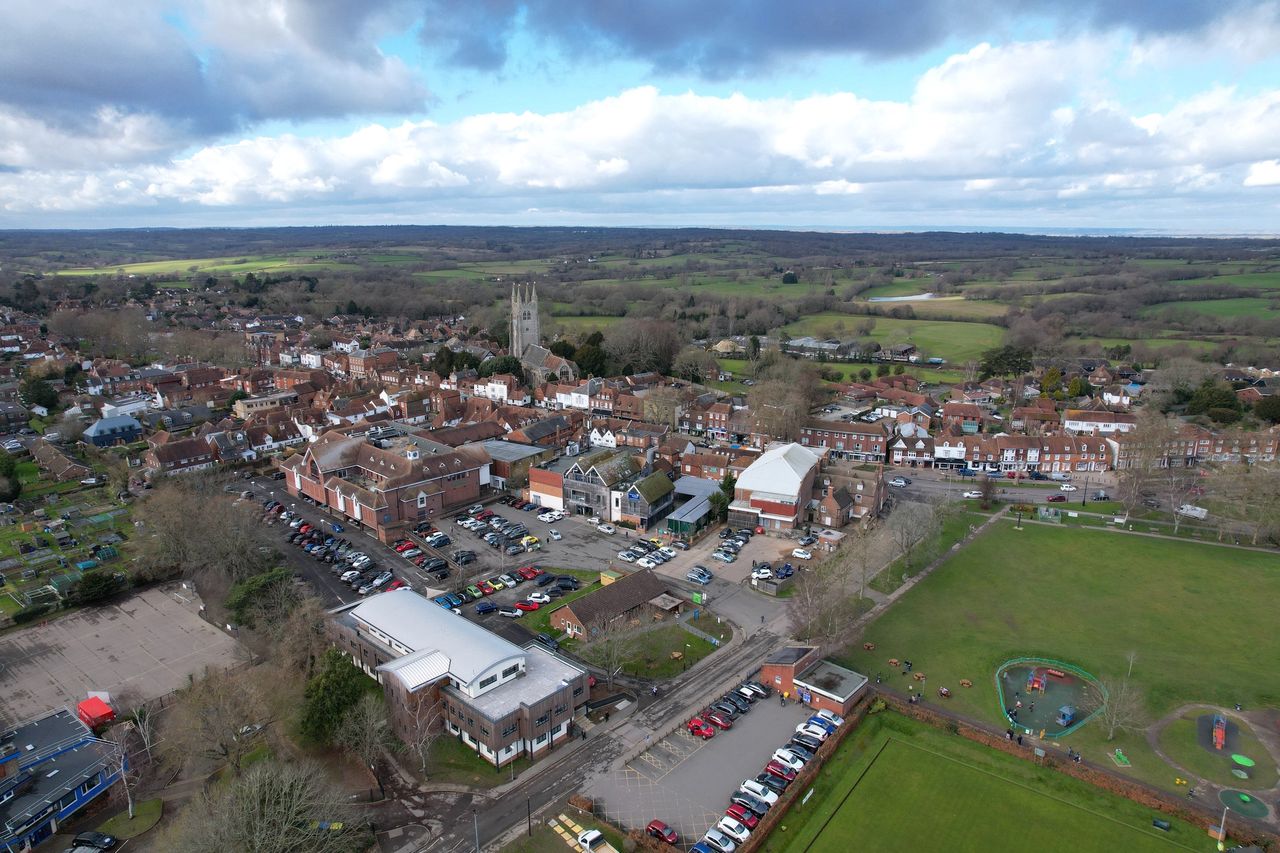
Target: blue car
{"points": [[701, 847], [337, 528], [485, 607], [822, 723], [786, 570], [443, 601], [455, 600]]}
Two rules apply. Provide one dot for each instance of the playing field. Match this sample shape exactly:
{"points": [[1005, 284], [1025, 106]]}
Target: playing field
{"points": [[904, 787]]}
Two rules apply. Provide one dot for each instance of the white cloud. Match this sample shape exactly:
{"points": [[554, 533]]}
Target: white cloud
{"points": [[1018, 127], [1263, 174]]}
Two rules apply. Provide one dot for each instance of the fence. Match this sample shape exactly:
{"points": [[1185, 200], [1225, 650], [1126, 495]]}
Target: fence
{"points": [[1059, 665]]}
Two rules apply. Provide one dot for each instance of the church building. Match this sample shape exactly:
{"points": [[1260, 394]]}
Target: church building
{"points": [[541, 364]]}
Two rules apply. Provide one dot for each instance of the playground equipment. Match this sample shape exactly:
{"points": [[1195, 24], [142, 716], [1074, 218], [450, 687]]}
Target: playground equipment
{"points": [[1219, 731], [1066, 715], [1036, 681]]}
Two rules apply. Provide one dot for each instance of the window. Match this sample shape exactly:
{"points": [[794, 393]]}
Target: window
{"points": [[511, 670], [577, 691], [510, 730], [560, 709], [542, 721], [485, 682]]}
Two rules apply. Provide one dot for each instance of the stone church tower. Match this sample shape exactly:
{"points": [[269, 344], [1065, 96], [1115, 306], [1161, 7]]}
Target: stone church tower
{"points": [[524, 319]]}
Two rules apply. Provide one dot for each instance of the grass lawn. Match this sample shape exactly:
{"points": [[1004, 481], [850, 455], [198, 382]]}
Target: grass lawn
{"points": [[1089, 598], [454, 762], [652, 658], [911, 787], [1179, 741], [539, 620], [1246, 306], [954, 341], [953, 530], [544, 839], [146, 814], [28, 472]]}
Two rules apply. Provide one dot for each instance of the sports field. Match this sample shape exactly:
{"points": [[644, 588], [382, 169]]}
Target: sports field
{"points": [[1197, 618], [902, 786]]}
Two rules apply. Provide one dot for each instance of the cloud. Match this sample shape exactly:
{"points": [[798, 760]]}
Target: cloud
{"points": [[117, 83], [1263, 174], [730, 38]]}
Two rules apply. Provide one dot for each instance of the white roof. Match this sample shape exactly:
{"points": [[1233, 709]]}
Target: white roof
{"points": [[779, 471], [439, 641]]}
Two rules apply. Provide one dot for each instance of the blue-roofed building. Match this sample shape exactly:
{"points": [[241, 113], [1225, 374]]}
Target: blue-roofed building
{"points": [[50, 768], [120, 429]]}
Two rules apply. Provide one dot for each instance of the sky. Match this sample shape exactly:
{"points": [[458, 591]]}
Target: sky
{"points": [[1145, 115]]}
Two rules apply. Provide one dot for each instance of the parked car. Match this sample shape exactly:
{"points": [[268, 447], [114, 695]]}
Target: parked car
{"points": [[733, 828], [782, 771], [607, 529], [1066, 487], [510, 612], [548, 641], [761, 573], [972, 495], [1056, 499], [800, 749], [802, 554], [699, 727], [806, 541], [554, 535], [788, 759], [662, 832], [717, 719], [749, 801], [718, 841], [527, 606], [743, 815], [899, 482], [831, 717], [96, 840], [628, 557], [816, 732], [761, 792], [772, 782]]}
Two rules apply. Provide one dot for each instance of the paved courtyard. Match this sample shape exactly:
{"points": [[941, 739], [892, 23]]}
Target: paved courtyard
{"points": [[687, 781], [145, 645]]}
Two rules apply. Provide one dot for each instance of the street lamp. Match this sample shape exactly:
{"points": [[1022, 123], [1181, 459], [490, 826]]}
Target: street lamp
{"points": [[1222, 829]]}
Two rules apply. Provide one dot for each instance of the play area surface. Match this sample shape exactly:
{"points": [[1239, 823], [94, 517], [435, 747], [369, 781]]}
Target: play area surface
{"points": [[1045, 696]]}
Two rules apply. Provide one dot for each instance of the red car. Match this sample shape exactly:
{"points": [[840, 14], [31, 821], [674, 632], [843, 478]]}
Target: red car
{"points": [[403, 545], [718, 720], [527, 573], [486, 515], [782, 771], [486, 587], [700, 729], [526, 606], [743, 815], [1057, 499], [396, 584], [662, 832]]}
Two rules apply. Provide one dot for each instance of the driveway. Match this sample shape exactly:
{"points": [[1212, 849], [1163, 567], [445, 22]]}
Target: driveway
{"points": [[687, 781]]}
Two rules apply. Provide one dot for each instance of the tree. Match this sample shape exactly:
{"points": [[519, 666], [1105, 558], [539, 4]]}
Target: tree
{"points": [[1079, 387], [97, 586], [298, 639], [1211, 396], [1005, 361], [1247, 498], [1051, 382], [1120, 706], [271, 808], [821, 608], [695, 365], [330, 693], [662, 405], [365, 732], [1145, 452], [38, 392], [244, 600], [910, 524], [564, 349], [501, 364], [426, 726], [790, 277], [987, 487], [864, 374], [610, 643], [227, 544], [642, 346], [212, 715], [591, 360], [1268, 408], [719, 505], [1176, 380], [753, 348]]}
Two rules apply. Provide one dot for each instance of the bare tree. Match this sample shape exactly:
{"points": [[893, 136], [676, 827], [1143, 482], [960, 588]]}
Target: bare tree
{"points": [[1120, 706], [271, 808], [643, 345], [299, 640], [610, 643], [911, 524], [217, 716], [1247, 499], [426, 727], [365, 732], [987, 487], [1146, 453], [821, 607]]}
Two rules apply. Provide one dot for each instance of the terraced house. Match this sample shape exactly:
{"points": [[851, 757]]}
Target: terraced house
{"points": [[384, 487], [588, 482]]}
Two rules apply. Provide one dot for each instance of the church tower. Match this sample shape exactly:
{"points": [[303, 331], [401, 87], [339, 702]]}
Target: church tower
{"points": [[524, 319]]}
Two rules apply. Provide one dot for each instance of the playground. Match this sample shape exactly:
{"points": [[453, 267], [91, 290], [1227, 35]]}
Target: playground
{"points": [[1046, 698], [1218, 747]]}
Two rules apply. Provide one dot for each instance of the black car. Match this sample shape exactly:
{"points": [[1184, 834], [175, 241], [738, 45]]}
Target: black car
{"points": [[747, 801], [725, 534], [771, 781], [544, 580], [725, 707], [548, 641], [567, 584], [802, 751], [808, 742], [96, 840], [742, 704]]}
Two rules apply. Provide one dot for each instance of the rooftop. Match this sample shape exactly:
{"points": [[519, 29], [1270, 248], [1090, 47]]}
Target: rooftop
{"points": [[543, 674], [835, 681], [414, 624], [54, 779], [788, 654], [51, 731], [511, 451]]}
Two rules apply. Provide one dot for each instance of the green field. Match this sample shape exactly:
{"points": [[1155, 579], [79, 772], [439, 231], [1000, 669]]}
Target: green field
{"points": [[956, 342], [898, 785], [1245, 306], [223, 265], [1088, 598]]}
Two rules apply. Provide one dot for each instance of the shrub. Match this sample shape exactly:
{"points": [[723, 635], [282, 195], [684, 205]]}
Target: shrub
{"points": [[28, 614]]}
